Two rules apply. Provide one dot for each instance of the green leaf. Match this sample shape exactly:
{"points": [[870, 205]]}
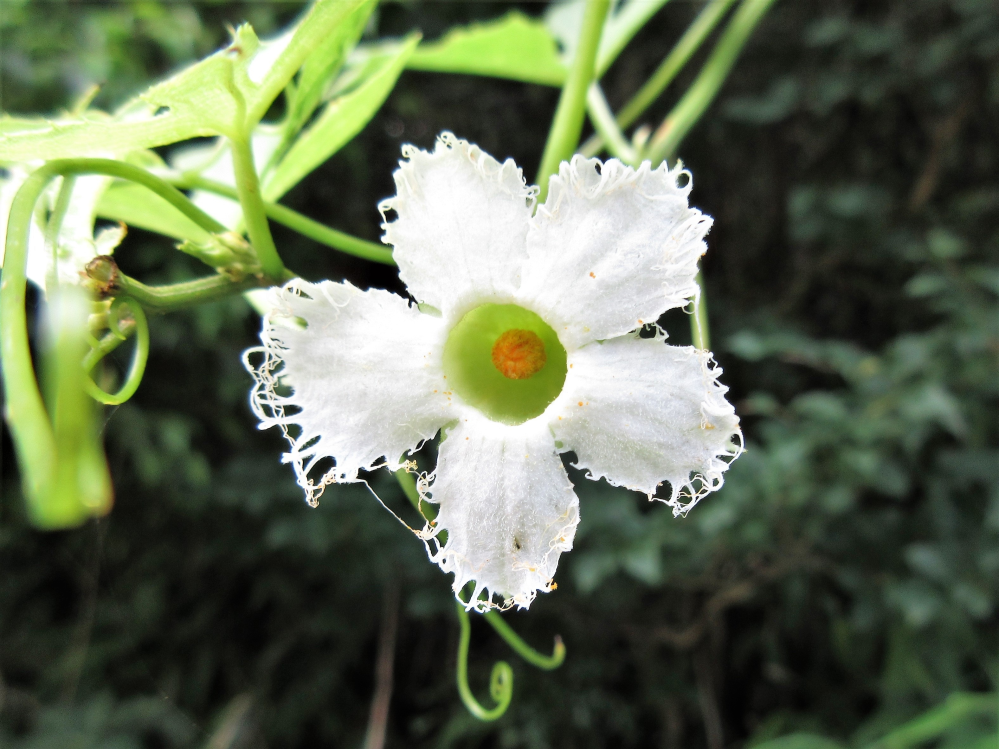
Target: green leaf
{"points": [[800, 741], [621, 28], [327, 23], [138, 207], [224, 94], [513, 46], [19, 124], [564, 21], [956, 709], [203, 99], [341, 119], [212, 92], [323, 64], [95, 134]]}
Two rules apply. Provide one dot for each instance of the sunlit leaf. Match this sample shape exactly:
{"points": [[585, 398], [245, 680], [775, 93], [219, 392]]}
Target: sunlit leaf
{"points": [[220, 95], [564, 20], [213, 91], [138, 207], [513, 46], [342, 119], [320, 67], [328, 23], [800, 741], [95, 134]]}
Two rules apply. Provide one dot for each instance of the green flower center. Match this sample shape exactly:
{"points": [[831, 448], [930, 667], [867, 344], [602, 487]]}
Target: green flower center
{"points": [[505, 361]]}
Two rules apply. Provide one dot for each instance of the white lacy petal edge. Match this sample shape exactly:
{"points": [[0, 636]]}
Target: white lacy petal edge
{"points": [[612, 248], [507, 506], [462, 217], [638, 412], [365, 378]]}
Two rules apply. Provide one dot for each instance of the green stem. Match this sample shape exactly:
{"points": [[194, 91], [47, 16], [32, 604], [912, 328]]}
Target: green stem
{"points": [[603, 121], [53, 227], [673, 63], [29, 424], [328, 236], [408, 485], [568, 122], [140, 176], [500, 681], [99, 349], [699, 319], [252, 203], [30, 427], [525, 651], [304, 225], [170, 297], [699, 96]]}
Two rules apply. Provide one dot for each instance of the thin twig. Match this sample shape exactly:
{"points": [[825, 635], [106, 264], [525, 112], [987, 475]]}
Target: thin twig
{"points": [[708, 700], [378, 720], [943, 134]]}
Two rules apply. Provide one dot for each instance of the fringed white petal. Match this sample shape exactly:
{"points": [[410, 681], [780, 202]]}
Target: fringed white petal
{"points": [[508, 509], [365, 378], [462, 219], [638, 412], [611, 249]]}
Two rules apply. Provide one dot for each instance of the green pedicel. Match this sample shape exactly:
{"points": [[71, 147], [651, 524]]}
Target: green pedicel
{"points": [[468, 364]]}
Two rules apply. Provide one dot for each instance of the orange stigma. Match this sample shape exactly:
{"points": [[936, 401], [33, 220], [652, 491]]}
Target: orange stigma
{"points": [[519, 354]]}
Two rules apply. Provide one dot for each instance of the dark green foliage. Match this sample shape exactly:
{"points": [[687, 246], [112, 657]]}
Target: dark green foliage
{"points": [[843, 582]]}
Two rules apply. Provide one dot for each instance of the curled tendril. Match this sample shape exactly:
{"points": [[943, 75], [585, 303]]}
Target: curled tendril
{"points": [[500, 682], [118, 334], [525, 651], [114, 316]]}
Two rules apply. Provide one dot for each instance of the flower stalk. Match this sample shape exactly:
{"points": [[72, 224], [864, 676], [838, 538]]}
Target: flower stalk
{"points": [[568, 122], [672, 64], [699, 96], [252, 203], [304, 225], [108, 281]]}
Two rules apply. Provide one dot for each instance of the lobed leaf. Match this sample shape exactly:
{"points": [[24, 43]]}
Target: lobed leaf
{"points": [[342, 119], [136, 206], [513, 46], [323, 64], [326, 24]]}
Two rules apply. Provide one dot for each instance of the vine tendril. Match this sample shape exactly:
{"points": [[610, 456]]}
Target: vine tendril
{"points": [[139, 357], [525, 651], [500, 681]]}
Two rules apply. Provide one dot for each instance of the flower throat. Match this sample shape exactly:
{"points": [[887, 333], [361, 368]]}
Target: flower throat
{"points": [[505, 361]]}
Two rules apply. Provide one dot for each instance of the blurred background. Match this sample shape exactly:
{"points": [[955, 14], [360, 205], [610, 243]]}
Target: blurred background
{"points": [[844, 581]]}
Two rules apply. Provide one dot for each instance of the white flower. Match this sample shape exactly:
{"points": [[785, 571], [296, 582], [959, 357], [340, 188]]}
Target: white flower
{"points": [[76, 245], [533, 351]]}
